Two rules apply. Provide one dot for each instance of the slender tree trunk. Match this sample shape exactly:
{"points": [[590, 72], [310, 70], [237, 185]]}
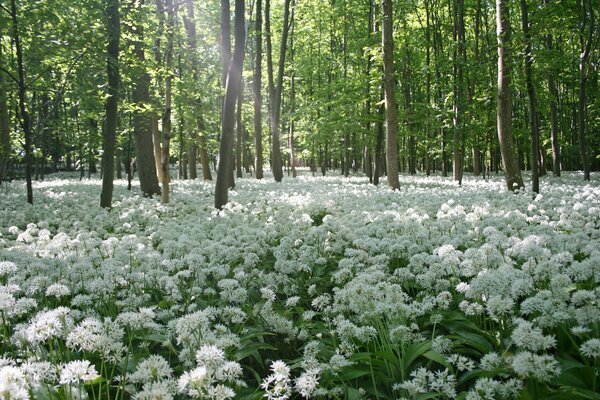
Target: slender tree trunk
{"points": [[391, 114], [190, 25], [257, 85], [553, 94], [166, 119], [511, 167], [535, 150], [586, 44], [277, 92], [428, 87], [113, 25], [25, 116], [459, 61], [292, 102], [4, 125], [158, 58], [239, 133], [234, 78], [144, 148]]}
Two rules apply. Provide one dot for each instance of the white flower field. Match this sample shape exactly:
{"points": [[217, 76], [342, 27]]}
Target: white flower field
{"points": [[317, 287]]}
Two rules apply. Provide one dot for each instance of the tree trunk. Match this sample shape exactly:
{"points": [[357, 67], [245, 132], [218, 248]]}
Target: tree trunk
{"points": [[257, 85], [586, 45], [166, 120], [553, 94], [158, 58], [234, 77], [144, 149], [192, 157], [391, 114], [239, 134], [113, 25], [458, 62], [190, 25], [512, 173], [533, 119], [25, 117], [4, 125], [276, 91]]}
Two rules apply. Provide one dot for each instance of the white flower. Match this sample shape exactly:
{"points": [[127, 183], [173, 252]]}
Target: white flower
{"points": [[591, 348], [192, 382], [153, 368], [57, 290], [210, 355], [307, 382], [13, 384], [543, 368], [7, 268], [77, 371], [277, 385]]}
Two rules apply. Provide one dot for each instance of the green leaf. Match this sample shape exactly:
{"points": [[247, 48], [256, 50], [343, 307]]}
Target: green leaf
{"points": [[414, 352]]}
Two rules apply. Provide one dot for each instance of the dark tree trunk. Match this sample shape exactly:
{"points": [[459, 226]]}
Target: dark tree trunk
{"points": [[190, 25], [234, 78], [276, 91], [239, 134], [533, 118], [512, 172], [389, 84], [144, 148], [553, 94], [113, 25], [586, 44], [459, 101], [257, 85], [25, 117], [166, 119], [4, 125], [158, 58]]}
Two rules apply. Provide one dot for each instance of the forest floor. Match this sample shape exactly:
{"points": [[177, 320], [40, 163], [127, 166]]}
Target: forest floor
{"points": [[323, 287]]}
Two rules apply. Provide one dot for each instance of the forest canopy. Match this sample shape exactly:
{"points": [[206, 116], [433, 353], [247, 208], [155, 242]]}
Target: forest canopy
{"points": [[123, 87]]}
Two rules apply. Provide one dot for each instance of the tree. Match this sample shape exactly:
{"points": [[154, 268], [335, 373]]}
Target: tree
{"points": [[232, 89], [389, 84], [256, 88], [533, 119], [113, 27], [22, 94], [4, 124], [275, 92], [586, 16], [166, 119], [190, 25], [142, 131], [512, 174]]}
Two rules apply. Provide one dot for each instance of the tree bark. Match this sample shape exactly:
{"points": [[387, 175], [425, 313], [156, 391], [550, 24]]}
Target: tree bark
{"points": [[458, 63], [257, 85], [234, 77], [586, 44], [158, 58], [391, 114], [4, 125], [25, 116], [144, 148], [113, 25], [166, 119], [553, 94], [276, 91], [512, 173], [535, 148], [239, 134]]}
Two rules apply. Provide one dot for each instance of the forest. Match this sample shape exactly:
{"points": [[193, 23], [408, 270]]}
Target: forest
{"points": [[139, 87], [286, 199]]}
